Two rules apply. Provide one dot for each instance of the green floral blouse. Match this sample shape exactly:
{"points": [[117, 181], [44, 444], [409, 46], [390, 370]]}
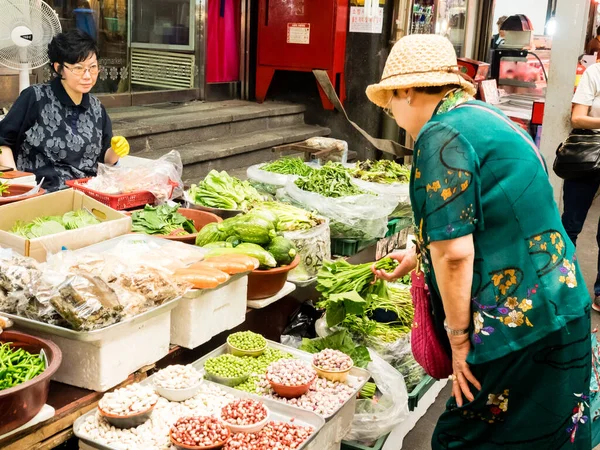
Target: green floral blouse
{"points": [[473, 173]]}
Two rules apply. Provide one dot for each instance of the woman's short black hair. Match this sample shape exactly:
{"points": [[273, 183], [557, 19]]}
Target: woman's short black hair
{"points": [[71, 47], [431, 90]]}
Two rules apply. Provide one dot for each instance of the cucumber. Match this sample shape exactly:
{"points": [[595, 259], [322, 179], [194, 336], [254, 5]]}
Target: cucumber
{"points": [[265, 259], [283, 250]]}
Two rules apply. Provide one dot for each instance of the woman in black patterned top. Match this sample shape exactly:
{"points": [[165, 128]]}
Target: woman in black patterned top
{"points": [[59, 131]]}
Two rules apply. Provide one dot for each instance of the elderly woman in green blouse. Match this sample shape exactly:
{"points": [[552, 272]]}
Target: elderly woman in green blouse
{"points": [[507, 293]]}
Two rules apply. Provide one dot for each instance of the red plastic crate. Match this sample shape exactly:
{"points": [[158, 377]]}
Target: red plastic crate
{"points": [[116, 201]]}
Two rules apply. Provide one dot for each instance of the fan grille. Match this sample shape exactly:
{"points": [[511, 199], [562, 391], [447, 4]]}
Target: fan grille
{"points": [[43, 22]]}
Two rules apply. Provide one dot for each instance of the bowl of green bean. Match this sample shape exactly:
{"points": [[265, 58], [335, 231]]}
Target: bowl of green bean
{"points": [[27, 364]]}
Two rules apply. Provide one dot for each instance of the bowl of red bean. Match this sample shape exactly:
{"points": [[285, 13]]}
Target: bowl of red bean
{"points": [[199, 433], [290, 378], [332, 365], [245, 416]]}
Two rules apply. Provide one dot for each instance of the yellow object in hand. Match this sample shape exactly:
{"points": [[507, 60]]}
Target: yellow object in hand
{"points": [[120, 146]]}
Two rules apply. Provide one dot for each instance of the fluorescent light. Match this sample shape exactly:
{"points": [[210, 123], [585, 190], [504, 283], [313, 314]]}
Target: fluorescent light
{"points": [[551, 26]]}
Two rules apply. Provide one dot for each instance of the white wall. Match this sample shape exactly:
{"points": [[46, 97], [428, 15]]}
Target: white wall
{"points": [[534, 9]]}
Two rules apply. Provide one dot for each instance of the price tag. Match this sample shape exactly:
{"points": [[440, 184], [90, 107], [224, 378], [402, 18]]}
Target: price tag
{"points": [[298, 33]]}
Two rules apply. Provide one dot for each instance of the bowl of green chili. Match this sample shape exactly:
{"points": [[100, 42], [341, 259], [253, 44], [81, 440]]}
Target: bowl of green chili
{"points": [[27, 364]]}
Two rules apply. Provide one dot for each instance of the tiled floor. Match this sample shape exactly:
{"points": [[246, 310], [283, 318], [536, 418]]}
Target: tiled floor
{"points": [[419, 438]]}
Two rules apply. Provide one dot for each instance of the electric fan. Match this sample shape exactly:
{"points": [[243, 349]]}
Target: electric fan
{"points": [[26, 29]]}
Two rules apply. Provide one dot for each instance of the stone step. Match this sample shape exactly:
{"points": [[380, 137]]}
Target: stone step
{"points": [[235, 151], [164, 126]]}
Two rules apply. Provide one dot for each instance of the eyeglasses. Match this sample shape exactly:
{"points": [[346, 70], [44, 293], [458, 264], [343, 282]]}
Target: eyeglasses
{"points": [[80, 71]]}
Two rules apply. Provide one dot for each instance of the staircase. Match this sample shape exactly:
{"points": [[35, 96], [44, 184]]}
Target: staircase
{"points": [[228, 135]]}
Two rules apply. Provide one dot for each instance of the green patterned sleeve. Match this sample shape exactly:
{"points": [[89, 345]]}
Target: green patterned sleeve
{"points": [[447, 184]]}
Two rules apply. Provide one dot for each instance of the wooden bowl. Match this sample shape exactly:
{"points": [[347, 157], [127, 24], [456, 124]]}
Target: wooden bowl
{"points": [[127, 421], [20, 404], [18, 189], [267, 283], [200, 219], [199, 447]]}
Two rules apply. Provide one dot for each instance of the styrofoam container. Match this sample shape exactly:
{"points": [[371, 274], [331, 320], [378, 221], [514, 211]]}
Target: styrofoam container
{"points": [[201, 315], [99, 360]]}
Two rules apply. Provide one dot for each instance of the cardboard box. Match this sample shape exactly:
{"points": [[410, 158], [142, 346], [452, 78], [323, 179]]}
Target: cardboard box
{"points": [[113, 223]]}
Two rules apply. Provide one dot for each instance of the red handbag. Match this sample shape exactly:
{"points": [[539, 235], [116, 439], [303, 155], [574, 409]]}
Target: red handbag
{"points": [[427, 349]]}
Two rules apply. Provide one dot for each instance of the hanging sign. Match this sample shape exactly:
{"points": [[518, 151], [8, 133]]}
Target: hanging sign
{"points": [[298, 33], [360, 22]]}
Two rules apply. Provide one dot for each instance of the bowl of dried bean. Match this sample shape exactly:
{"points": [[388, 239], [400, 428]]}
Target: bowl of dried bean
{"points": [[332, 365], [246, 343], [199, 433], [290, 378], [128, 407], [245, 416], [177, 383]]}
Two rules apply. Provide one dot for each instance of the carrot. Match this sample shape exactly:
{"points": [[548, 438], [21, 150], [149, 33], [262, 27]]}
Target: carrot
{"points": [[202, 278], [230, 267], [250, 262]]}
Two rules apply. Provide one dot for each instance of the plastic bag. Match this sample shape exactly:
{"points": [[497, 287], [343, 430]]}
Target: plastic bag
{"points": [[314, 247], [358, 216], [267, 181], [300, 325], [399, 192], [157, 177], [373, 419], [338, 149]]}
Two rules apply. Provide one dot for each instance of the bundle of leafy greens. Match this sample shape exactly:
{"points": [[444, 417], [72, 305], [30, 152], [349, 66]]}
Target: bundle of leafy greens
{"points": [[220, 190], [289, 218], [3, 188], [162, 220], [342, 341], [332, 180], [383, 171], [288, 166], [45, 226]]}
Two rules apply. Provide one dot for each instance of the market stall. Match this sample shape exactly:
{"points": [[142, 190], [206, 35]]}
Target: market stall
{"points": [[138, 291]]}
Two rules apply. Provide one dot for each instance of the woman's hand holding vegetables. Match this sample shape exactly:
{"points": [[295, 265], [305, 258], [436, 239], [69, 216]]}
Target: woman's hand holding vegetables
{"points": [[407, 261], [461, 345]]}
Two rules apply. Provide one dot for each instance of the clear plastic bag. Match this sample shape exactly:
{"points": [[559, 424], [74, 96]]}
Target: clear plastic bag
{"points": [[338, 149], [373, 419], [156, 177], [314, 247], [396, 192], [358, 216], [19, 277], [267, 181]]}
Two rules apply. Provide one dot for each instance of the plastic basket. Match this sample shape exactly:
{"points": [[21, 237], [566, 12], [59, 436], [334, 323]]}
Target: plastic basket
{"points": [[395, 226], [349, 247], [116, 201], [353, 445], [419, 391]]}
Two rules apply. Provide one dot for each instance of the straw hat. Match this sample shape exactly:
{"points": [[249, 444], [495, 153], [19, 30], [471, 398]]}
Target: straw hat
{"points": [[418, 60]]}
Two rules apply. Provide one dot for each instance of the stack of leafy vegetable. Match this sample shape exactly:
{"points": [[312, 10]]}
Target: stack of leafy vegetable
{"points": [[45, 226], [162, 220], [332, 180], [289, 166], [340, 340], [253, 234], [382, 171], [17, 366], [288, 217], [220, 190]]}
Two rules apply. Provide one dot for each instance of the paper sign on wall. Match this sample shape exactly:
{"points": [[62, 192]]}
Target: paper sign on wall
{"points": [[360, 23], [298, 33]]}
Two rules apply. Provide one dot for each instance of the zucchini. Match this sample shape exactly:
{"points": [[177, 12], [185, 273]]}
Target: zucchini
{"points": [[283, 250], [265, 259]]}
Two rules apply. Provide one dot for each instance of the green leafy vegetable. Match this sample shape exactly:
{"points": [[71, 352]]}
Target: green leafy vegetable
{"points": [[342, 341], [383, 171], [161, 220], [330, 181], [288, 166], [220, 190], [289, 218], [45, 226], [368, 391], [3, 186]]}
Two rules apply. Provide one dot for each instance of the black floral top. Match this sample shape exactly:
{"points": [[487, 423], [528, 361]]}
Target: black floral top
{"points": [[53, 137]]}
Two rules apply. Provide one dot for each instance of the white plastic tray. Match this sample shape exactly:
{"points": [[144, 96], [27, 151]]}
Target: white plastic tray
{"points": [[288, 288]]}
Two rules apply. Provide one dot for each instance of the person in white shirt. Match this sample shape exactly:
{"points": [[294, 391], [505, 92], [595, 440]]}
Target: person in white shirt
{"points": [[578, 194]]}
